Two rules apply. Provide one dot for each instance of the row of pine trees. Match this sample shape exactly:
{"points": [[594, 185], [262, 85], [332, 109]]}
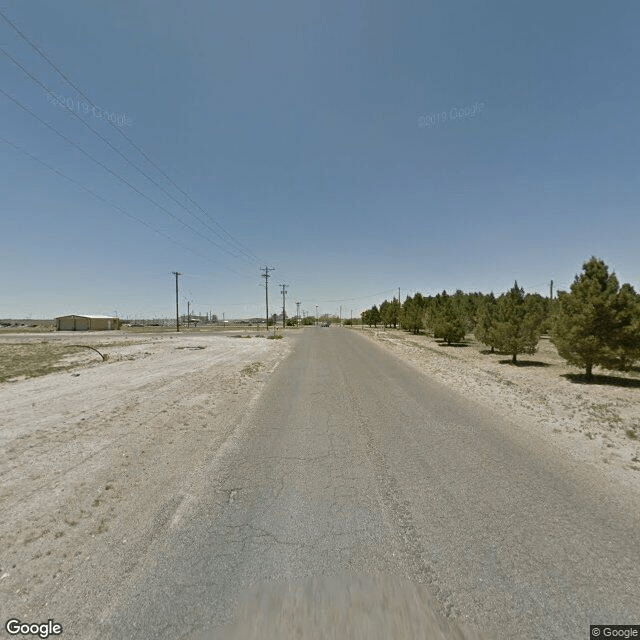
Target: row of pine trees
{"points": [[596, 323]]}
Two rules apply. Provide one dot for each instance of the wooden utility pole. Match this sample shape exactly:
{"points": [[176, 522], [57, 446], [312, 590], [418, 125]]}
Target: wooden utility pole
{"points": [[551, 291], [176, 273], [284, 293], [298, 311], [266, 277]]}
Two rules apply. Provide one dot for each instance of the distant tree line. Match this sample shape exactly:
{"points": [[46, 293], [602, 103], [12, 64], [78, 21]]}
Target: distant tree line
{"points": [[596, 323]]}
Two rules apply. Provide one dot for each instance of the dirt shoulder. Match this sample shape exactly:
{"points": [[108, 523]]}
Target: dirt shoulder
{"points": [[97, 461], [599, 424]]}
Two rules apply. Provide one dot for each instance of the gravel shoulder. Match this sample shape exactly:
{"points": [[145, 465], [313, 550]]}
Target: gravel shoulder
{"points": [[97, 461], [592, 423]]}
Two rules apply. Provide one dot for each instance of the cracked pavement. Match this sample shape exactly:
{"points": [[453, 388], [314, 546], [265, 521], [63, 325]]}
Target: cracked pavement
{"points": [[352, 464]]}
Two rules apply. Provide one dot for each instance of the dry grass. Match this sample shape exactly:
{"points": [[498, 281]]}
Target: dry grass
{"points": [[209, 328], [31, 359], [36, 328], [252, 369]]}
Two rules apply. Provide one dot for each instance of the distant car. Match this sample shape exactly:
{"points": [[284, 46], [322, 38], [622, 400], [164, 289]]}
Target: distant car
{"points": [[326, 324]]}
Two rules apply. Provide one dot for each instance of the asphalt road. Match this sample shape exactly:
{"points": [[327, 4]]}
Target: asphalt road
{"points": [[351, 464]]}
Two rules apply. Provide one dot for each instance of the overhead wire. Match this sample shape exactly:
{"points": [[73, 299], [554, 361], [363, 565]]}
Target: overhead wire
{"points": [[101, 164], [106, 141], [373, 295], [111, 204], [232, 238]]}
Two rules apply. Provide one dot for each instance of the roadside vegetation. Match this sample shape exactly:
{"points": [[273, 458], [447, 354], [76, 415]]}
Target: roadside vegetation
{"points": [[21, 360], [31, 359], [595, 324], [252, 369]]}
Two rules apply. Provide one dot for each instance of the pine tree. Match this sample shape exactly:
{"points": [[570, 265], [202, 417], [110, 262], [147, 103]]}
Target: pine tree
{"points": [[374, 316], [486, 319], [446, 318], [597, 323], [627, 349], [412, 314], [385, 316], [389, 312], [517, 329], [470, 304]]}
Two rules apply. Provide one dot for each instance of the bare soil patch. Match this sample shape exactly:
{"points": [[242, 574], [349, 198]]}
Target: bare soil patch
{"points": [[100, 457], [599, 423]]}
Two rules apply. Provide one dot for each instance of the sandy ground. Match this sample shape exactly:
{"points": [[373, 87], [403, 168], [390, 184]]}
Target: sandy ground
{"points": [[588, 421], [95, 462]]}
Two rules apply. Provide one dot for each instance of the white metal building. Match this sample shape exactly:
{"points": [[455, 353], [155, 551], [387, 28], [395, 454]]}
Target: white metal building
{"points": [[87, 323]]}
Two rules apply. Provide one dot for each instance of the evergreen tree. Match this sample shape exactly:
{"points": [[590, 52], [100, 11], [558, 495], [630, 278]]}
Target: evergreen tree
{"points": [[390, 312], [486, 320], [541, 306], [374, 316], [412, 315], [384, 313], [627, 349], [517, 329], [597, 323], [471, 304], [446, 318]]}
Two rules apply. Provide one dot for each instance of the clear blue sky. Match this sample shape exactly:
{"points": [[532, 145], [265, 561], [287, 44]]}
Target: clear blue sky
{"points": [[300, 128]]}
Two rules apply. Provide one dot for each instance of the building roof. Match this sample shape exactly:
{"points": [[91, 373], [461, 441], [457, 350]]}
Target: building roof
{"points": [[84, 315]]}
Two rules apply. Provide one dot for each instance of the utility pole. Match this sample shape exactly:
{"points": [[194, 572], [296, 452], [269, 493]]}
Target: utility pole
{"points": [[266, 277], [340, 315], [176, 274], [284, 293], [188, 313], [298, 312], [551, 291], [316, 315], [351, 326]]}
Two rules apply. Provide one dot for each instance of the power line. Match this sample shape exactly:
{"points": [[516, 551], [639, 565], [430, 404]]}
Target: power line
{"points": [[135, 146], [113, 173], [373, 295], [107, 202], [124, 157]]}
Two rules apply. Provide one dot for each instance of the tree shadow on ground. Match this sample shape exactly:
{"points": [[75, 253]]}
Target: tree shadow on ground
{"points": [[525, 363], [495, 352], [442, 343], [613, 381]]}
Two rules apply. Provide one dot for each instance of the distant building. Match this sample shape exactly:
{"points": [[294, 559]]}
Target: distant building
{"points": [[87, 323]]}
